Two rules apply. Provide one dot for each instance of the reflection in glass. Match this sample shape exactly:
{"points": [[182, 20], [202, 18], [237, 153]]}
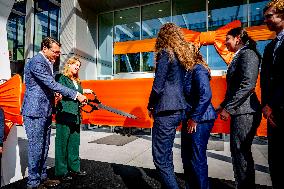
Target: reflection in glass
{"points": [[153, 17], [219, 16], [261, 45], [256, 16], [190, 14], [215, 62], [127, 62], [105, 43], [126, 25], [148, 61], [41, 29]]}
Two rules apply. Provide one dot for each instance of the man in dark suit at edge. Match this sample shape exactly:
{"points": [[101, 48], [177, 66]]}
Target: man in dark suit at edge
{"points": [[37, 110], [272, 89]]}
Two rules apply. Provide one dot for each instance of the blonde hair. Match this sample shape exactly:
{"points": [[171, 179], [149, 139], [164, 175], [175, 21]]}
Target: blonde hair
{"points": [[66, 69], [278, 5], [171, 39]]}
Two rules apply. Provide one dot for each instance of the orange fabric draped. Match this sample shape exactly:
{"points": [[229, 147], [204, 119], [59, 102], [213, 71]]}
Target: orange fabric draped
{"points": [[11, 99], [131, 95], [216, 38]]}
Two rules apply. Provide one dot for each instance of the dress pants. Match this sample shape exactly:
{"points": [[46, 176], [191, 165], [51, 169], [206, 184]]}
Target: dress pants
{"points": [[38, 132], [67, 143], [243, 129], [163, 135], [275, 153], [193, 153]]}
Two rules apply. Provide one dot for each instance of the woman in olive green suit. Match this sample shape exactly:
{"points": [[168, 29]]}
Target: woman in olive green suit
{"points": [[68, 119]]}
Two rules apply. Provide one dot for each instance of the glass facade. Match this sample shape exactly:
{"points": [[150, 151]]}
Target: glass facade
{"points": [[144, 22], [47, 16], [46, 22], [131, 24], [16, 36]]}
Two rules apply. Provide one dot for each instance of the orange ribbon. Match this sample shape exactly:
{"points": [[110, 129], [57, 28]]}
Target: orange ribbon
{"points": [[216, 38]]}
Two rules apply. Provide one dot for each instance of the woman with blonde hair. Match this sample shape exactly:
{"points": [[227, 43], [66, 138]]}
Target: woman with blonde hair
{"points": [[167, 102], [68, 119]]}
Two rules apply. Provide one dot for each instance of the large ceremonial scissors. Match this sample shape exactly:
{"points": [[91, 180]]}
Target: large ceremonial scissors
{"points": [[95, 104]]}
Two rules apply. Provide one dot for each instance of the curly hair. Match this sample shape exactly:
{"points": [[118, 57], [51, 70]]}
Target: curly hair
{"points": [[278, 5], [171, 39], [66, 69]]}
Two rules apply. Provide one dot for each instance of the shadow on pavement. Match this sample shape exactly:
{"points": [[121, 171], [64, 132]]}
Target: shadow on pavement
{"points": [[103, 175]]}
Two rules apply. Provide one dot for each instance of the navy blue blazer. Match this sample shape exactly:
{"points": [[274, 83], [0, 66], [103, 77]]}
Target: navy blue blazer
{"points": [[40, 88], [198, 94], [167, 91]]}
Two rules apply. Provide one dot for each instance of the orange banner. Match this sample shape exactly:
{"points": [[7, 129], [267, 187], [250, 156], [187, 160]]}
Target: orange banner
{"points": [[129, 95]]}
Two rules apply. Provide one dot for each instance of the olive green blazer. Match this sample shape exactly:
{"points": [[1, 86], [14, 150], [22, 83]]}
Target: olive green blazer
{"points": [[68, 110]]}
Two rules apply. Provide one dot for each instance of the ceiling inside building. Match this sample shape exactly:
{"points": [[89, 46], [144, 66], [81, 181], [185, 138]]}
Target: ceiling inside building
{"points": [[99, 6]]}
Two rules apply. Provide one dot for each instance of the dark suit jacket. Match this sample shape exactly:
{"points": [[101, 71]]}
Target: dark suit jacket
{"points": [[241, 80], [198, 94], [167, 91], [40, 88], [271, 79], [67, 110]]}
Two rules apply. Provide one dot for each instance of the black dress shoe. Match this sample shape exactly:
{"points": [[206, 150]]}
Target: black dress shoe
{"points": [[78, 174], [65, 178], [51, 183]]}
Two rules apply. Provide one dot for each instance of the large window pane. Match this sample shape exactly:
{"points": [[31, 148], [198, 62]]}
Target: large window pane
{"points": [[126, 25], [215, 61], [222, 12], [153, 17], [105, 44], [46, 21], [127, 62], [41, 29], [148, 59], [256, 12], [190, 14]]}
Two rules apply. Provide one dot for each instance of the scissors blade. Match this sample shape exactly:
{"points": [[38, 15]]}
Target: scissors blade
{"points": [[116, 111]]}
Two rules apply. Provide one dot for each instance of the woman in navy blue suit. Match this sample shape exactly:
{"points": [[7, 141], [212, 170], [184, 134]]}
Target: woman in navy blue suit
{"points": [[167, 103], [200, 117]]}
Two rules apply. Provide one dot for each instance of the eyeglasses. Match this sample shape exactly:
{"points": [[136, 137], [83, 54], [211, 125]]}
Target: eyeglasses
{"points": [[55, 52], [268, 16]]}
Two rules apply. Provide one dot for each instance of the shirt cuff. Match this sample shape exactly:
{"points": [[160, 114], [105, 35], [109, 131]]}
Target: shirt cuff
{"points": [[77, 94]]}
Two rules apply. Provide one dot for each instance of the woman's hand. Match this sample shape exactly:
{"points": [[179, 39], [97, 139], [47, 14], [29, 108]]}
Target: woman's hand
{"points": [[87, 91], [191, 126], [224, 115]]}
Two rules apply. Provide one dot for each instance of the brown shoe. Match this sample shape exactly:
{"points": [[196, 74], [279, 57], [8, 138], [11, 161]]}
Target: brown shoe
{"points": [[51, 183]]}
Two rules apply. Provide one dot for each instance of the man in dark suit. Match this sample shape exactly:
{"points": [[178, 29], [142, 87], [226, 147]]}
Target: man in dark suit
{"points": [[272, 89], [37, 108]]}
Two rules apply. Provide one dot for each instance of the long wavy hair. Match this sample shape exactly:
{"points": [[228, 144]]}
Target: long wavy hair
{"points": [[66, 69], [171, 39]]}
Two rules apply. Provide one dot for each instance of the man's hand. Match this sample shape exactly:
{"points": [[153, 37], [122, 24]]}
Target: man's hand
{"points": [[58, 96], [191, 126], [82, 98], [267, 111], [224, 115], [1, 149]]}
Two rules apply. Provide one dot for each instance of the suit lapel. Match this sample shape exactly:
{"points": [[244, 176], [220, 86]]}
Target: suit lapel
{"points": [[47, 63]]}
